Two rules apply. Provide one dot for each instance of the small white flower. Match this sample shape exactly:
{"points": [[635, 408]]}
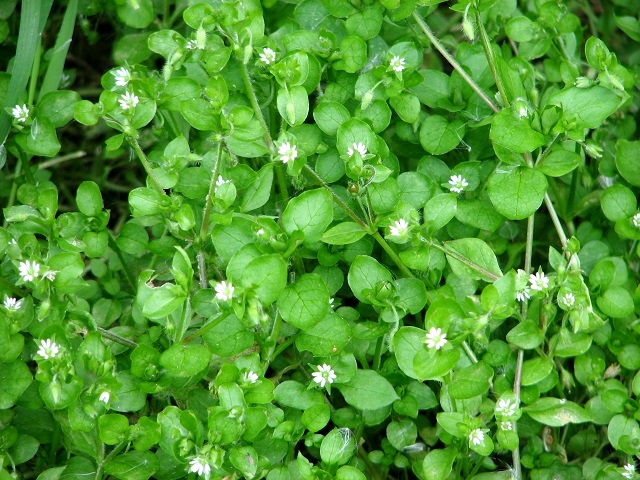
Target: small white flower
{"points": [[20, 113], [128, 101], [268, 56], [524, 294], [539, 281], [105, 397], [523, 111], [288, 153], [506, 426], [506, 408], [397, 63], [192, 44], [399, 228], [636, 220], [357, 147], [260, 233], [568, 299], [457, 182], [250, 376], [200, 466], [224, 291], [50, 275], [29, 270], [122, 76], [324, 374], [436, 339], [630, 470], [12, 304], [331, 300], [221, 181], [48, 349], [476, 436]]}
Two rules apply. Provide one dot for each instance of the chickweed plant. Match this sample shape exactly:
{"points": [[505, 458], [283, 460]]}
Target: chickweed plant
{"points": [[319, 239]]}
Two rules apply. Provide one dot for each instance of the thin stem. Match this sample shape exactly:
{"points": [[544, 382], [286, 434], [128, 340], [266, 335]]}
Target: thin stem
{"points": [[488, 51], [453, 254], [469, 352], [452, 61], [205, 328], [117, 338], [394, 256], [125, 266], [212, 190], [255, 104], [145, 163], [555, 220]]}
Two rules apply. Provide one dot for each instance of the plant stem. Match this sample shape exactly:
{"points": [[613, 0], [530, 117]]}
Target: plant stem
{"points": [[394, 256], [453, 62], [205, 328], [555, 220], [145, 163], [488, 51], [469, 352], [125, 266], [453, 254], [212, 189], [255, 104], [117, 338]]}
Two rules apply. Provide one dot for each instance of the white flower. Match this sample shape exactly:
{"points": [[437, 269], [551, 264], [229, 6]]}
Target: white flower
{"points": [[200, 466], [12, 304], [105, 397], [476, 436], [457, 183], [436, 339], [224, 291], [50, 275], [221, 181], [128, 101], [506, 426], [506, 408], [397, 63], [630, 470], [192, 44], [524, 294], [324, 374], [122, 77], [29, 270], [568, 299], [331, 300], [539, 281], [250, 376], [48, 349], [288, 153], [399, 228], [636, 220], [20, 113], [357, 147], [268, 56]]}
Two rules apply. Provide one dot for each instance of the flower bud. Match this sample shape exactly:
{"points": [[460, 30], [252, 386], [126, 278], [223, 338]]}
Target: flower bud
{"points": [[467, 28], [366, 100], [201, 38], [583, 82], [592, 150]]}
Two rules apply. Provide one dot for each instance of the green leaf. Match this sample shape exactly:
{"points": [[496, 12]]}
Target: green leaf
{"points": [[146, 201], [407, 106], [434, 364], [113, 428], [316, 417], [439, 210], [620, 426], [258, 192], [365, 273], [41, 140], [510, 131], [304, 303], [517, 192], [471, 381], [163, 301], [353, 54], [296, 395], [329, 116], [627, 154], [133, 466], [559, 162], [293, 104], [58, 107], [267, 277], [556, 412], [407, 342], [535, 370], [326, 338], [415, 189], [368, 390], [228, 337], [367, 23], [310, 212], [526, 335], [478, 253], [343, 234], [15, 378], [337, 448], [438, 463], [185, 360], [629, 25], [89, 199], [138, 14], [618, 202], [616, 302], [438, 135], [354, 131], [587, 107]]}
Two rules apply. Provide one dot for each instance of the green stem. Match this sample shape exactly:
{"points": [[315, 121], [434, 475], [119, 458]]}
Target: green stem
{"points": [[255, 104], [469, 352], [394, 256], [125, 265], [488, 51], [212, 190], [452, 61], [145, 163], [555, 220], [35, 70], [465, 260], [117, 338], [205, 328]]}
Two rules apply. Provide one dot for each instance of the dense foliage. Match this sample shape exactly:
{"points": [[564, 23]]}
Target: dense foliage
{"points": [[319, 239]]}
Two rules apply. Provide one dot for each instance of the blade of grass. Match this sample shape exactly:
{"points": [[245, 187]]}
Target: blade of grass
{"points": [[52, 78], [32, 20]]}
